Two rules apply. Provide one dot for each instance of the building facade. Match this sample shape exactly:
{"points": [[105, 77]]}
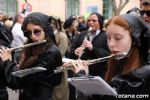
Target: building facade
{"points": [[65, 8]]}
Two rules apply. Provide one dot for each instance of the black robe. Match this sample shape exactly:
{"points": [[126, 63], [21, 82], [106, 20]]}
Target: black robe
{"points": [[100, 49], [37, 86], [134, 82], [5, 40]]}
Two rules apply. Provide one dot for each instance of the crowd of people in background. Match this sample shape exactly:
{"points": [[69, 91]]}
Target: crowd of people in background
{"points": [[79, 39]]}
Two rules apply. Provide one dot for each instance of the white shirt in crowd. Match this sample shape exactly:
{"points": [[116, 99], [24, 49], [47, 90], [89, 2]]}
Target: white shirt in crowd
{"points": [[18, 37]]}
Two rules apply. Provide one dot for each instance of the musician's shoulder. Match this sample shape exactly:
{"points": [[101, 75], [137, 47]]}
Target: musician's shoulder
{"points": [[53, 48]]}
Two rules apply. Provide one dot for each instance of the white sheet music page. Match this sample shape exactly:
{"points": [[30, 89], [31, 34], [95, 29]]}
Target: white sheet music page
{"points": [[93, 85]]}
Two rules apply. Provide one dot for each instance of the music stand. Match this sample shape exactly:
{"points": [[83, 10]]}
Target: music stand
{"points": [[92, 85]]}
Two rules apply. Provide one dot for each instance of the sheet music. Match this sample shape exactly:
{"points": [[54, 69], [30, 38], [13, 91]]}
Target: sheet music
{"points": [[92, 85]]}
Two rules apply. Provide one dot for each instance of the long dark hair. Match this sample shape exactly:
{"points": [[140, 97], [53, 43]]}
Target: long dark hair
{"points": [[30, 55], [57, 22], [100, 19]]}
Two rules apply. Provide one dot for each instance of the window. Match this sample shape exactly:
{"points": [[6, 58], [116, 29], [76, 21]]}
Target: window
{"points": [[107, 9], [8, 6], [72, 7]]}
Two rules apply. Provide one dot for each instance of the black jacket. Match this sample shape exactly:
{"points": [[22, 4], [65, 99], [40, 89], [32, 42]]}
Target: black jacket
{"points": [[37, 86], [5, 36], [100, 49], [3, 84], [5, 39], [134, 82]]}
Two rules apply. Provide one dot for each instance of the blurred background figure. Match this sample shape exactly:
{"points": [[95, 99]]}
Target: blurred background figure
{"points": [[18, 36], [61, 37], [82, 26], [70, 26], [145, 14], [8, 22], [61, 92], [145, 10]]}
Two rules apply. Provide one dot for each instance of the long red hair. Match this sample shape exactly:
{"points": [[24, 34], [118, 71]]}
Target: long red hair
{"points": [[133, 59]]}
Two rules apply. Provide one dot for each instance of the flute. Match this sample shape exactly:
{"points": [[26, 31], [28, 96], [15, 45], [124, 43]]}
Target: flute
{"points": [[90, 62], [27, 45]]}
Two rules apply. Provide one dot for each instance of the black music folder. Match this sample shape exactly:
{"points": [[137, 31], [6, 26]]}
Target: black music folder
{"points": [[92, 85], [25, 72]]}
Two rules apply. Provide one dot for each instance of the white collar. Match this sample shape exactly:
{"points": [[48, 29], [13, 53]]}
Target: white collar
{"points": [[97, 32]]}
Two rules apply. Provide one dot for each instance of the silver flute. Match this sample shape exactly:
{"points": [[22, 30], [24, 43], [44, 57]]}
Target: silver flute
{"points": [[90, 62], [27, 45]]}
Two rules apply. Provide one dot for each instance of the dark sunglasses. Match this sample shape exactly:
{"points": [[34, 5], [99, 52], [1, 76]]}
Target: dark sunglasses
{"points": [[147, 12], [36, 32], [93, 20]]}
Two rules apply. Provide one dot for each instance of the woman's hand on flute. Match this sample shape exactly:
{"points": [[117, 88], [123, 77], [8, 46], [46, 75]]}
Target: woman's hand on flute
{"points": [[76, 65], [80, 65], [5, 54]]}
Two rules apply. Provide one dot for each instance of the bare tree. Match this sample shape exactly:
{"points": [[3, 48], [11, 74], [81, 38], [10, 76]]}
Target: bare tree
{"points": [[121, 5]]}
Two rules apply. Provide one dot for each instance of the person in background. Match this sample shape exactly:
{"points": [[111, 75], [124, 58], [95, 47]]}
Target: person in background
{"points": [[4, 18], [92, 44], [61, 92], [7, 21], [61, 38], [36, 86], [145, 10], [145, 14], [5, 30], [70, 26], [126, 33], [82, 24], [18, 37]]}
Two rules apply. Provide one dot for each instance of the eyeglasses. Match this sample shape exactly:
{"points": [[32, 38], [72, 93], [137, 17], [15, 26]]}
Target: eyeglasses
{"points": [[36, 32], [147, 12], [93, 20]]}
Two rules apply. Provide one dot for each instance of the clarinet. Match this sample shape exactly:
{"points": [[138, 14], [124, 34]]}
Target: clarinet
{"points": [[85, 38]]}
